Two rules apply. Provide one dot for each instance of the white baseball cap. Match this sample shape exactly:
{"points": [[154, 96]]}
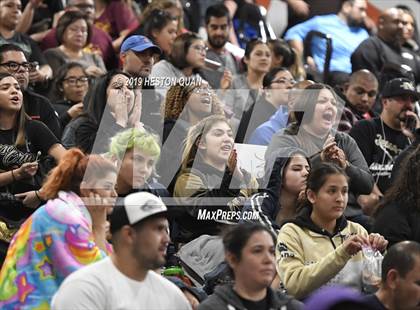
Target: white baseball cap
{"points": [[135, 208]]}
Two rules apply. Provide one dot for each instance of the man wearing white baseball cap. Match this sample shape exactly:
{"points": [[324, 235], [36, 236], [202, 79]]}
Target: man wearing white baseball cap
{"points": [[126, 280]]}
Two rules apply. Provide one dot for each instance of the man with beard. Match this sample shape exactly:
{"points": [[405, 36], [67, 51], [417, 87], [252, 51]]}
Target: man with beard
{"points": [[218, 25], [126, 279], [386, 47], [382, 138], [346, 31], [137, 58]]}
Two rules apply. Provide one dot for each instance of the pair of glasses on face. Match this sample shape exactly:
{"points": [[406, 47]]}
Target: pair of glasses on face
{"points": [[73, 81], [13, 66], [200, 48]]}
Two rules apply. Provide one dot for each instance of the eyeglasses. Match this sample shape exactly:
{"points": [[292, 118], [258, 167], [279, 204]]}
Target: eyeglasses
{"points": [[73, 81], [200, 48], [15, 66]]}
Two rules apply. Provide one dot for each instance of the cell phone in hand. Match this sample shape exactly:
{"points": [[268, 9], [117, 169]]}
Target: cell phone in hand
{"points": [[410, 123]]}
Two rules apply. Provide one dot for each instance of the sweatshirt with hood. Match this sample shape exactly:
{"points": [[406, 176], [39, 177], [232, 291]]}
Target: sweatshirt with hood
{"points": [[309, 257], [266, 202], [203, 191], [225, 298]]}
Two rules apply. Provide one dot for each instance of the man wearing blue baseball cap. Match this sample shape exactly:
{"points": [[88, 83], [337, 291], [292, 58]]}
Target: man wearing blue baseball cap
{"points": [[138, 57]]}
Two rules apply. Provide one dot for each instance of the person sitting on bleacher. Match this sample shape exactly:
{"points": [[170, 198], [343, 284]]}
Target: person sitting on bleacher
{"points": [[345, 28]]}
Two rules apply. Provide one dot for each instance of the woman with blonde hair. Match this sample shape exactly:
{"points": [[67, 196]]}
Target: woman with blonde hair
{"points": [[210, 178], [65, 234], [184, 107]]}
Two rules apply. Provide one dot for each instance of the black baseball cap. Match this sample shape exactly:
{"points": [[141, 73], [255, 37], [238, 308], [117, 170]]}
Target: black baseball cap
{"points": [[400, 87]]}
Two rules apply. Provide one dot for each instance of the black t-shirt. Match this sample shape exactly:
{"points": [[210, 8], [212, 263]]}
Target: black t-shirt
{"points": [[373, 54], [39, 108], [380, 146], [150, 111], [373, 301], [38, 138], [254, 305], [398, 221]]}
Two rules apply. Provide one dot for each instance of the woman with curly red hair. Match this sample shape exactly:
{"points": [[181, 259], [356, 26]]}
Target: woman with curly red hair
{"points": [[62, 236]]}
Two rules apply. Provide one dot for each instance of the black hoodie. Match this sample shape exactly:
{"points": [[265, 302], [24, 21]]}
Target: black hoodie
{"points": [[303, 220], [266, 202], [225, 297]]}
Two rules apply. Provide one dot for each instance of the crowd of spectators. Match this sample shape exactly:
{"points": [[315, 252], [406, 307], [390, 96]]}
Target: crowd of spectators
{"points": [[174, 154]]}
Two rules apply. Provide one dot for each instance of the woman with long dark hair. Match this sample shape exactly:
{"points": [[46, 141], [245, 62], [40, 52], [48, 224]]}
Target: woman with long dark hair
{"points": [[111, 106], [316, 110], [160, 27], [337, 256], [24, 146], [284, 182], [285, 56], [246, 88], [398, 215], [65, 234]]}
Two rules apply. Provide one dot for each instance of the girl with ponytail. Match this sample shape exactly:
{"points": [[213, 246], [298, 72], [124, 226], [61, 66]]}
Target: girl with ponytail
{"points": [[320, 246], [63, 235]]}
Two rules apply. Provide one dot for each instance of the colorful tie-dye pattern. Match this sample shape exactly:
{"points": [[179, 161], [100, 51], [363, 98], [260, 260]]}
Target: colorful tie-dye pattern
{"points": [[54, 242]]}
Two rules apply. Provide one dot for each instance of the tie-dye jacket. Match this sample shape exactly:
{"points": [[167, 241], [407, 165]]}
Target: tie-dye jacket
{"points": [[55, 241]]}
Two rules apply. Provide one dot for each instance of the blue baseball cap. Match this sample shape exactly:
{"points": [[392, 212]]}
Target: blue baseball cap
{"points": [[139, 43]]}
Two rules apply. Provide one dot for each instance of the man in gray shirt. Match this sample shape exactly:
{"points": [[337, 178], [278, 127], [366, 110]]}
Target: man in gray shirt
{"points": [[218, 24]]}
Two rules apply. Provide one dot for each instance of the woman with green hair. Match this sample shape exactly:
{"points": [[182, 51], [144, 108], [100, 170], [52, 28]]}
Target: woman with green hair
{"points": [[136, 151]]}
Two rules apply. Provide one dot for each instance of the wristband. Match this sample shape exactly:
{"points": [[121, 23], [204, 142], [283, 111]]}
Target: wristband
{"points": [[13, 176], [37, 196]]}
